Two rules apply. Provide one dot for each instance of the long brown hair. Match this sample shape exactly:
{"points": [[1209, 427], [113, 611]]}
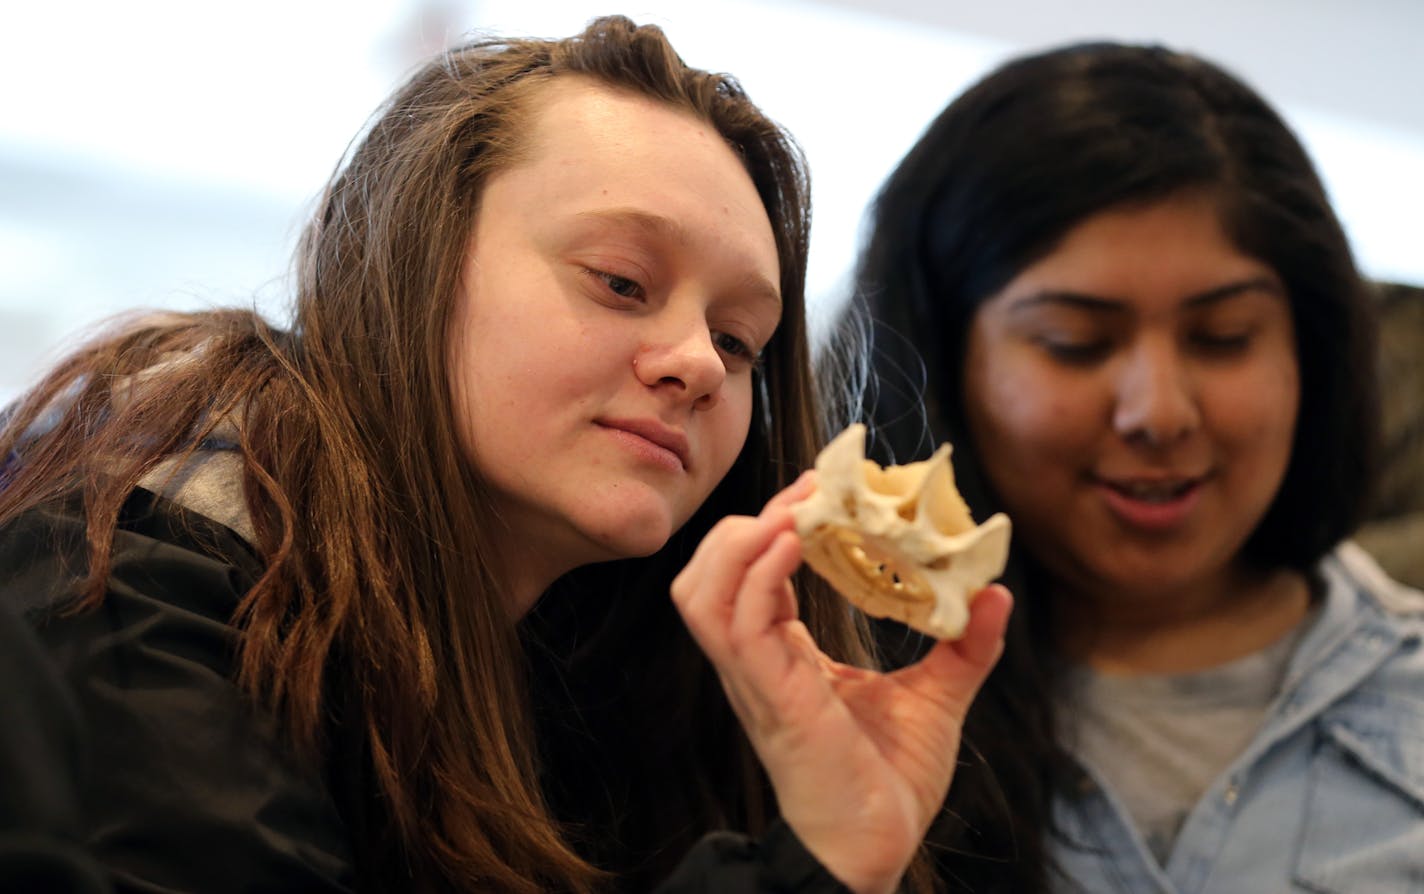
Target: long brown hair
{"points": [[378, 606]]}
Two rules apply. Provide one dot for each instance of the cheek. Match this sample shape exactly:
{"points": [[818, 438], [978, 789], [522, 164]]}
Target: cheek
{"points": [[1020, 416], [500, 396], [1258, 413], [721, 433], [730, 428]]}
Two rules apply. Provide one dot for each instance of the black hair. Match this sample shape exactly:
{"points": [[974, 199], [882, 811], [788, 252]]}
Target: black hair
{"points": [[993, 185]]}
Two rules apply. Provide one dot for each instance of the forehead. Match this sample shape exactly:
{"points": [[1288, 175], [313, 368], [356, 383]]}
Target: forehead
{"points": [[586, 104], [594, 152], [1167, 250], [575, 127]]}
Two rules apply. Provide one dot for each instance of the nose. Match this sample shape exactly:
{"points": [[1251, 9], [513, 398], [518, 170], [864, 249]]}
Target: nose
{"points": [[679, 357], [1156, 401]]}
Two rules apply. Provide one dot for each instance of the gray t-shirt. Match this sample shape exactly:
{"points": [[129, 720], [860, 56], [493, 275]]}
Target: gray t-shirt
{"points": [[1159, 740]]}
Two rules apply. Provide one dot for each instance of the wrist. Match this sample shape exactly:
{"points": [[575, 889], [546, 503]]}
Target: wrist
{"points": [[858, 862]]}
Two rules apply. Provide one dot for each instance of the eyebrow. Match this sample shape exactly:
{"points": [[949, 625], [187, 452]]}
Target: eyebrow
{"points": [[1100, 304], [657, 226], [637, 219]]}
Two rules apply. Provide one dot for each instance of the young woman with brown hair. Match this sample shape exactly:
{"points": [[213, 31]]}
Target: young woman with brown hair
{"points": [[549, 337]]}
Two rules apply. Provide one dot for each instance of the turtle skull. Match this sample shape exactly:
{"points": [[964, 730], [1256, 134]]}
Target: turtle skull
{"points": [[899, 541]]}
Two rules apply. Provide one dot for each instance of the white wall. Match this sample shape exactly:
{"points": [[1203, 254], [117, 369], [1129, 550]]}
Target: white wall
{"points": [[1347, 74], [163, 153]]}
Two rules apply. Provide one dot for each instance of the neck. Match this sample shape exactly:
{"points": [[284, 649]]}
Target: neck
{"points": [[1237, 615], [527, 573]]}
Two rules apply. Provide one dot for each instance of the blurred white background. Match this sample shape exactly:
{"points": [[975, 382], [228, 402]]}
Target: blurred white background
{"points": [[161, 153]]}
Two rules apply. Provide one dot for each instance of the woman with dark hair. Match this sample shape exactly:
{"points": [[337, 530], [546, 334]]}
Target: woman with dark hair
{"points": [[1138, 321], [549, 347]]}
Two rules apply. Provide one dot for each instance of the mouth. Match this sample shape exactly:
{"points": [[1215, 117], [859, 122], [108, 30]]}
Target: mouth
{"points": [[1157, 504], [1152, 491], [665, 440]]}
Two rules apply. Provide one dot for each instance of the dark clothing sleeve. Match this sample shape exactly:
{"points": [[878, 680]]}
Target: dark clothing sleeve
{"points": [[778, 863], [187, 788], [126, 744], [40, 754]]}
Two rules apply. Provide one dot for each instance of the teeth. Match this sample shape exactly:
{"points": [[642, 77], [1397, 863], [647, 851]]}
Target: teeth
{"points": [[1153, 493]]}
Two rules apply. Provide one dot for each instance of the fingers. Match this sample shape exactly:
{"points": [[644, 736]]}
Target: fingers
{"points": [[794, 492], [763, 600], [736, 598], [736, 533], [721, 560], [954, 670], [707, 591], [983, 639]]}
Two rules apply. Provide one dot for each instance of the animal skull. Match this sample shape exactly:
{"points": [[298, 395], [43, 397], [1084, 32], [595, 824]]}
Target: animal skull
{"points": [[899, 541]]}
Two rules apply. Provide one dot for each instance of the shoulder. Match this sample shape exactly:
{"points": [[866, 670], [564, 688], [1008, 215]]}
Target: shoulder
{"points": [[1379, 665], [174, 555], [1363, 822], [1375, 667], [174, 582], [1361, 571], [184, 756], [208, 482]]}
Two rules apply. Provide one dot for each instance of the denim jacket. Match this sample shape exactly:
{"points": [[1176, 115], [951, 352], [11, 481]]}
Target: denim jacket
{"points": [[1328, 797]]}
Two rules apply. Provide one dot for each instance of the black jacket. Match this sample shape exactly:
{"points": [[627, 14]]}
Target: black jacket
{"points": [[143, 756]]}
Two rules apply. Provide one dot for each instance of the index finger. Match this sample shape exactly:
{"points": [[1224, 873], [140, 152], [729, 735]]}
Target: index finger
{"points": [[793, 493]]}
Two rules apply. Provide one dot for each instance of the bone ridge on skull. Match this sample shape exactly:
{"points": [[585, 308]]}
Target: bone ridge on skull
{"points": [[899, 542]]}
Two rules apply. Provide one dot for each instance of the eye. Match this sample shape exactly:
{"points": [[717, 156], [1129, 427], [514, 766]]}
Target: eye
{"points": [[621, 286], [1223, 344], [1077, 353], [736, 348]]}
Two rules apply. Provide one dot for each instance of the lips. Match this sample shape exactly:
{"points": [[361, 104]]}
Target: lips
{"points": [[657, 434], [1153, 503], [1150, 491]]}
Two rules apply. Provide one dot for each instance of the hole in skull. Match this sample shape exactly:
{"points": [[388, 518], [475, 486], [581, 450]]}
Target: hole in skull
{"points": [[880, 571], [906, 511]]}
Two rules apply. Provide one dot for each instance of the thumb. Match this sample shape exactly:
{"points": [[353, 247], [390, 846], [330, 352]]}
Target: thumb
{"points": [[955, 669]]}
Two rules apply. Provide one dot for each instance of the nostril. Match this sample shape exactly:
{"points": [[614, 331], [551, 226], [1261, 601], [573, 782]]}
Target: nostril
{"points": [[707, 401]]}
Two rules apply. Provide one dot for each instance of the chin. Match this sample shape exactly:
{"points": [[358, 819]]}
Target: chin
{"points": [[1153, 583], [632, 536]]}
